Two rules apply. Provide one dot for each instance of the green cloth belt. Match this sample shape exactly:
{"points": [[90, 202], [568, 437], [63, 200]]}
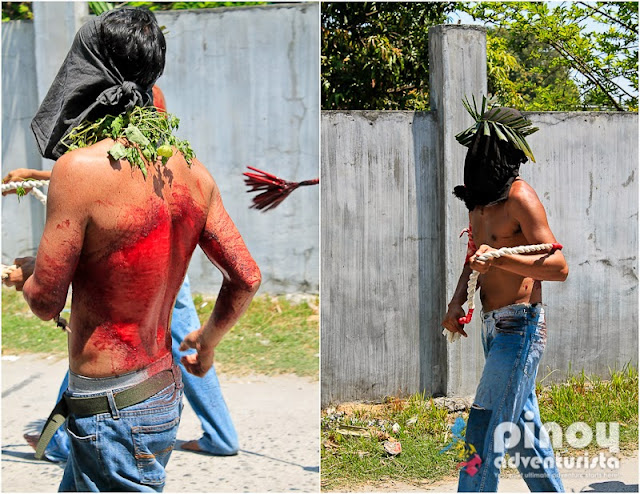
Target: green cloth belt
{"points": [[100, 404]]}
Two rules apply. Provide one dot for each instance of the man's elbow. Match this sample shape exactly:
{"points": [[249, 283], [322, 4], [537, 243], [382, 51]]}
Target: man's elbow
{"points": [[248, 281], [44, 307], [562, 273], [253, 281]]}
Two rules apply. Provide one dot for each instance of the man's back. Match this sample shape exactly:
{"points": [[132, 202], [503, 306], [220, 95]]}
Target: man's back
{"points": [[138, 237]]}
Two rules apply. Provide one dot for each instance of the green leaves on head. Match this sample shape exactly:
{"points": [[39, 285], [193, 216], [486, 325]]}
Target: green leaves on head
{"points": [[499, 122]]}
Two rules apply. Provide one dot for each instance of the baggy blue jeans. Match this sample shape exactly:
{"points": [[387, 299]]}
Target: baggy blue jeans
{"points": [[203, 393], [123, 450], [514, 338]]}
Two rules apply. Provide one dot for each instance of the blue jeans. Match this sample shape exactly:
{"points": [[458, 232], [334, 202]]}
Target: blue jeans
{"points": [[514, 338], [123, 450], [203, 393]]}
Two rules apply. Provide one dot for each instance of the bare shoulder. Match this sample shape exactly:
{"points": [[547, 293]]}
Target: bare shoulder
{"points": [[522, 197], [81, 176], [74, 170], [87, 161], [204, 180]]}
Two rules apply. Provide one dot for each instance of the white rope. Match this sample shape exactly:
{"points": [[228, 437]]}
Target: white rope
{"points": [[32, 184], [473, 278]]}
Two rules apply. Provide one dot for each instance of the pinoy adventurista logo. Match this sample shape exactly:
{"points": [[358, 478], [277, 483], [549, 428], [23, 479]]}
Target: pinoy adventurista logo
{"points": [[466, 453]]}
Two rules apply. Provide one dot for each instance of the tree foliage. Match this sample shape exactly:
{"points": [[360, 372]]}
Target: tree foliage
{"points": [[16, 11], [190, 5], [594, 42], [525, 74], [375, 54], [540, 55], [12, 11]]}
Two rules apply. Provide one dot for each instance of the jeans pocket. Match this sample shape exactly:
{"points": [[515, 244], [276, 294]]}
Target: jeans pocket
{"points": [[79, 434], [152, 446], [511, 325]]}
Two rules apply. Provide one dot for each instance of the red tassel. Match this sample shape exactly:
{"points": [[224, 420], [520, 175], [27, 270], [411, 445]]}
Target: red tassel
{"points": [[275, 188]]}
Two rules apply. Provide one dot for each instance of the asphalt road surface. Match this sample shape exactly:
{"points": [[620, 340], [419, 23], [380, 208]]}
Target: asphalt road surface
{"points": [[277, 419]]}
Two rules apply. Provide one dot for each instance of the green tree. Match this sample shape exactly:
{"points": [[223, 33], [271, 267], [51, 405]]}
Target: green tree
{"points": [[375, 54], [596, 43], [12, 11], [525, 74], [16, 11], [190, 5]]}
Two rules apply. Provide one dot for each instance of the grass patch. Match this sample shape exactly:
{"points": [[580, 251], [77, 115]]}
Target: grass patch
{"points": [[591, 399], [23, 332], [274, 336], [353, 435]]}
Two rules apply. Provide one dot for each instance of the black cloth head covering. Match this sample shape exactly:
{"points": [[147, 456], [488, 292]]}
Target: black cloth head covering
{"points": [[490, 167], [87, 86]]}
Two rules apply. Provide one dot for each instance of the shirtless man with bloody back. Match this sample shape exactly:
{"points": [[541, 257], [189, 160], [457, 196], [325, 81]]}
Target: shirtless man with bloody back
{"points": [[124, 241], [504, 211]]}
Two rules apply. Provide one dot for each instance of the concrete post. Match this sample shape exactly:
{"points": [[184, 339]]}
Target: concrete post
{"points": [[457, 68], [55, 26]]}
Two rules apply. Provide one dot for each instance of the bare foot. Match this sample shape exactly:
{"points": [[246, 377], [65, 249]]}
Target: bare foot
{"points": [[192, 446], [32, 439]]}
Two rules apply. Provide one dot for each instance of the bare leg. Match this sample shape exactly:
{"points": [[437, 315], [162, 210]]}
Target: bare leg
{"points": [[32, 439]]}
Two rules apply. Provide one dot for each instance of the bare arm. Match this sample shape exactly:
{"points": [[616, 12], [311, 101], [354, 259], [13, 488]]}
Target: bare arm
{"points": [[21, 174], [527, 209], [61, 243], [225, 248], [455, 310]]}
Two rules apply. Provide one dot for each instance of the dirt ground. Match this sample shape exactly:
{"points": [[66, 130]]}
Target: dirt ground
{"points": [[277, 419], [623, 479]]}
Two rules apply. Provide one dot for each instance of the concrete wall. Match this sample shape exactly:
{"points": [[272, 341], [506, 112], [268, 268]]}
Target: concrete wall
{"points": [[21, 222], [586, 176], [374, 198], [244, 82], [391, 255]]}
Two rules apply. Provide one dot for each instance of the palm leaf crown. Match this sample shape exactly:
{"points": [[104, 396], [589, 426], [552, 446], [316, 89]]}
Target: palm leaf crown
{"points": [[499, 122]]}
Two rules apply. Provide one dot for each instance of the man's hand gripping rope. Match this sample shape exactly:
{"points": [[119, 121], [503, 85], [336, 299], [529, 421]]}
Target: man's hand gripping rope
{"points": [[473, 278], [28, 186]]}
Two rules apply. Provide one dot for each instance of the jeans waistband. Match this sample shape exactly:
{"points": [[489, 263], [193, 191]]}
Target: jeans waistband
{"points": [[512, 310], [81, 384]]}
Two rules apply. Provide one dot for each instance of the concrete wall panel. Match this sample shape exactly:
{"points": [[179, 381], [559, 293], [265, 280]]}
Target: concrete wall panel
{"points": [[370, 256]]}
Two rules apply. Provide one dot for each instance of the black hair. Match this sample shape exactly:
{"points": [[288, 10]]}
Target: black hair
{"points": [[133, 42]]}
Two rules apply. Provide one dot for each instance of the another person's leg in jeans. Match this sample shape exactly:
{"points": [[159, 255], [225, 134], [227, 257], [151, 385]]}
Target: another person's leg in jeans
{"points": [[203, 393], [514, 338]]}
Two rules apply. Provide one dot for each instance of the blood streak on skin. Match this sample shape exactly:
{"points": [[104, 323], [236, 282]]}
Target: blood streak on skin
{"points": [[233, 257], [140, 279], [64, 224]]}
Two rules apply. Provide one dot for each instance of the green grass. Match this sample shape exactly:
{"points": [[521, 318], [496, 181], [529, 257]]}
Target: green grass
{"points": [[348, 460], [22, 332], [274, 336], [592, 399], [352, 435]]}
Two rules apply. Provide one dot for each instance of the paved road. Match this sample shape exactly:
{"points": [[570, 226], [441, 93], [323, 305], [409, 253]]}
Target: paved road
{"points": [[277, 420]]}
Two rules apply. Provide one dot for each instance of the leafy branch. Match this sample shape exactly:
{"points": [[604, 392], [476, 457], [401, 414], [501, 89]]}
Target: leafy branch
{"points": [[144, 135]]}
